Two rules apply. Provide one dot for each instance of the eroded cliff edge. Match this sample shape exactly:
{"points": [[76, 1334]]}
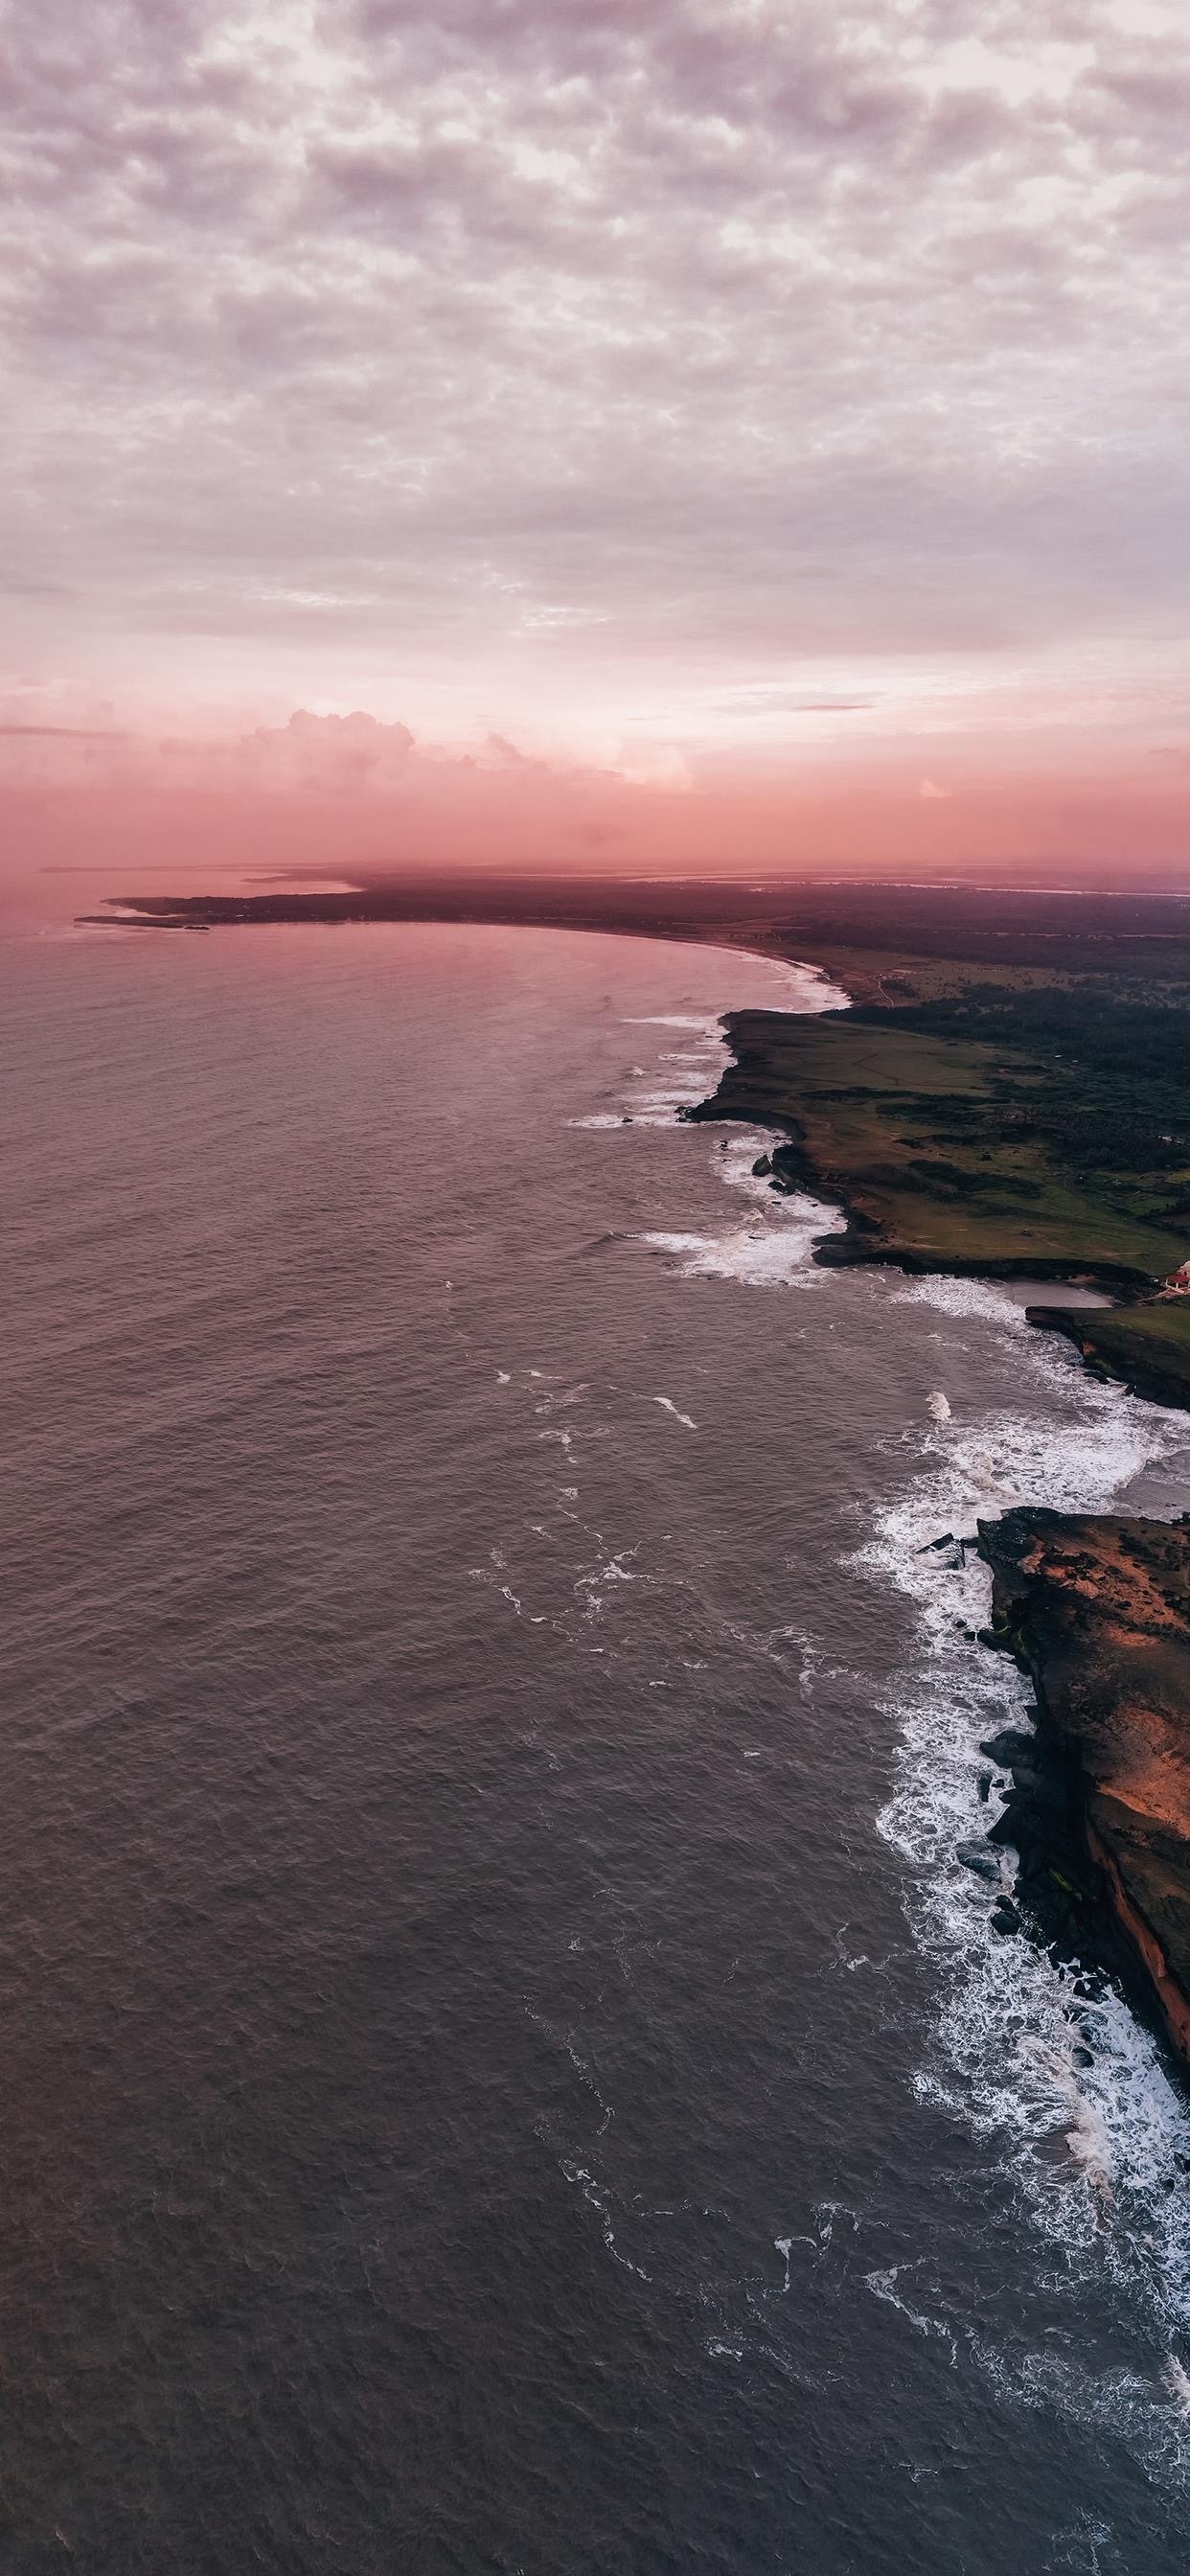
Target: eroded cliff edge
{"points": [[1096, 1609], [946, 1154]]}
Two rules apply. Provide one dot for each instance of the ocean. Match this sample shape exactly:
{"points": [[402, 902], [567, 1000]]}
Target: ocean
{"points": [[503, 2069]]}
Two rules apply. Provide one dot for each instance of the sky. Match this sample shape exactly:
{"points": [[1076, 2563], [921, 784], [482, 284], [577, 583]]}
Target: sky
{"points": [[621, 433]]}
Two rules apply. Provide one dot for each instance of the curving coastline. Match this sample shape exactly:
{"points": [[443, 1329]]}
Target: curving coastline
{"points": [[1095, 1608], [934, 1149], [1007, 1097]]}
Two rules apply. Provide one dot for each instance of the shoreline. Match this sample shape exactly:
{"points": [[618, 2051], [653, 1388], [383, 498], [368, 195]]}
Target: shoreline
{"points": [[1101, 1880], [855, 1246], [909, 1203], [962, 1010], [1092, 1609]]}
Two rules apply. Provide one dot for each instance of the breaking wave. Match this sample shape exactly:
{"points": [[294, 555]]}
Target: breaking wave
{"points": [[1049, 2064]]}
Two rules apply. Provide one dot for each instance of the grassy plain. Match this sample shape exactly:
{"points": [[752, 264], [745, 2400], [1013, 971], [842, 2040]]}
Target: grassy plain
{"points": [[1015, 1119]]}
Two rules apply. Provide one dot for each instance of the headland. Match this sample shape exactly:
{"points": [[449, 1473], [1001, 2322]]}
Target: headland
{"points": [[1096, 1610]]}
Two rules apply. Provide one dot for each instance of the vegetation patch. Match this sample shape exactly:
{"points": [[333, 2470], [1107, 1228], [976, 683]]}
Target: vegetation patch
{"points": [[1003, 1122]]}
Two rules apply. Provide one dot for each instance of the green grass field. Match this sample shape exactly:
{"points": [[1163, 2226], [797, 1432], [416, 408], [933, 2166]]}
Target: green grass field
{"points": [[978, 1151]]}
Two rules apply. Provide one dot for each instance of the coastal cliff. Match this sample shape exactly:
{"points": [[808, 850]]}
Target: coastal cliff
{"points": [[1096, 1609], [948, 1156], [1144, 1347]]}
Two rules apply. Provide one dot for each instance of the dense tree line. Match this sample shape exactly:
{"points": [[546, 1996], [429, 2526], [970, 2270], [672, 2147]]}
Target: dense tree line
{"points": [[1095, 1082]]}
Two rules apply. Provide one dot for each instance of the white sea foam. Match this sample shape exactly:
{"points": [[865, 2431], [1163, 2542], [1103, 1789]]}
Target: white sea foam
{"points": [[796, 987], [976, 1297], [690, 1072], [772, 1246], [768, 1248], [751, 1254], [670, 1407], [883, 2285], [1101, 2150]]}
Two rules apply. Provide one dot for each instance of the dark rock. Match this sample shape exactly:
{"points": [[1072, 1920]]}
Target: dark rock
{"points": [[984, 1785], [761, 1168], [1077, 1876], [1007, 1828], [1005, 1918], [976, 1856], [946, 1551], [1044, 1791], [1010, 1745], [1099, 1604]]}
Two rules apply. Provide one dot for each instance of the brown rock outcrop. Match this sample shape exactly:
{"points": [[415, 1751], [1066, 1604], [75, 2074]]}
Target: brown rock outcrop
{"points": [[1096, 1608]]}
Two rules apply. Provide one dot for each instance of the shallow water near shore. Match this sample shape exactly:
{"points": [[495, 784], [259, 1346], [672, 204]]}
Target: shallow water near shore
{"points": [[502, 2066]]}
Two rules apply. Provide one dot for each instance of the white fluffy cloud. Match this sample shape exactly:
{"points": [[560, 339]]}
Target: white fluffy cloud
{"points": [[507, 337]]}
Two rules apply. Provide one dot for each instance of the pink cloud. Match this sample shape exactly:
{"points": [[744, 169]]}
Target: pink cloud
{"points": [[350, 799]]}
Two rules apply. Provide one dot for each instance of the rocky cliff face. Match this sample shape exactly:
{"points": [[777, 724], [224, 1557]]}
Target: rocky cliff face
{"points": [[1097, 1610], [1145, 1344]]}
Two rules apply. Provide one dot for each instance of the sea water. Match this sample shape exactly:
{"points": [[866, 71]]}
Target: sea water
{"points": [[502, 2065]]}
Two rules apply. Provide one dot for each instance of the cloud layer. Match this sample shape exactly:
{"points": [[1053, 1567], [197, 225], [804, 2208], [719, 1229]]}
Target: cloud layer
{"points": [[722, 370], [686, 320], [348, 800]]}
